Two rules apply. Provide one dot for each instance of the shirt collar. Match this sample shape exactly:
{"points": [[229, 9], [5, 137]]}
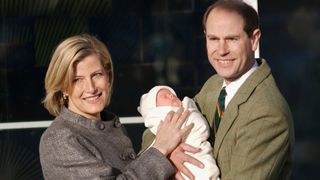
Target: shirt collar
{"points": [[233, 86]]}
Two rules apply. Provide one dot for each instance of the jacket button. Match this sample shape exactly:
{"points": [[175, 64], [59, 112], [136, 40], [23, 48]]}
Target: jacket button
{"points": [[132, 155], [122, 156], [117, 123], [101, 126]]}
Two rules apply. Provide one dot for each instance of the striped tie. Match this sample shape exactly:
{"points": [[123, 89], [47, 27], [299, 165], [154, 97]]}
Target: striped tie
{"points": [[219, 109]]}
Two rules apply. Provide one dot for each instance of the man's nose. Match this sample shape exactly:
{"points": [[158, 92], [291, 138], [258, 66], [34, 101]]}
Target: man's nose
{"points": [[223, 48]]}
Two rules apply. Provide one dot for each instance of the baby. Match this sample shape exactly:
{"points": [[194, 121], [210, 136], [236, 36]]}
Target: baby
{"points": [[155, 105]]}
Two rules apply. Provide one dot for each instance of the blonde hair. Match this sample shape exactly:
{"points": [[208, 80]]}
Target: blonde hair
{"points": [[60, 72]]}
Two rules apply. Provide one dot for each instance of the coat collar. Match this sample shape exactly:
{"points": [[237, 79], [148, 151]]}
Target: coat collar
{"points": [[108, 119], [242, 95]]}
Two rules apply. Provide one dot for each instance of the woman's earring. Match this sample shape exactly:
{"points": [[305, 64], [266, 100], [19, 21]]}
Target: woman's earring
{"points": [[65, 97]]}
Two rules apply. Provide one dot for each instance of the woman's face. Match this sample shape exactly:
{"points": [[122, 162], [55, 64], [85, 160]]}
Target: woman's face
{"points": [[90, 88]]}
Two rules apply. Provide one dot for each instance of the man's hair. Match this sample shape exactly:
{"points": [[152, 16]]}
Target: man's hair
{"points": [[247, 12]]}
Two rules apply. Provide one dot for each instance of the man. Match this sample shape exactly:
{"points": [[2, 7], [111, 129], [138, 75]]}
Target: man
{"points": [[253, 136]]}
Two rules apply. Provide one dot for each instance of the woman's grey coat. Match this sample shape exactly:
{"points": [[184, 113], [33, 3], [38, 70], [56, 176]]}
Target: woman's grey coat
{"points": [[74, 147]]}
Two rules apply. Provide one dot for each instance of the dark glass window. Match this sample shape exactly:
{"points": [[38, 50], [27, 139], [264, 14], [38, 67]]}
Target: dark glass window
{"points": [[290, 42]]}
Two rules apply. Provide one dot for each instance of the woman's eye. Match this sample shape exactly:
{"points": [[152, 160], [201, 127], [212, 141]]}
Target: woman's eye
{"points": [[97, 75], [76, 80]]}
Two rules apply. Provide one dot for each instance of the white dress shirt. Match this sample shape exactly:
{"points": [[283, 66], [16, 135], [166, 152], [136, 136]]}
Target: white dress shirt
{"points": [[233, 86]]}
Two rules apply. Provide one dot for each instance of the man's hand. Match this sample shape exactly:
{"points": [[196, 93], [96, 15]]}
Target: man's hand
{"points": [[178, 157]]}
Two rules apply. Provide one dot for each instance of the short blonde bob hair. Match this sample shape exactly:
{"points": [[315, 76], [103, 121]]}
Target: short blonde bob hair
{"points": [[60, 73]]}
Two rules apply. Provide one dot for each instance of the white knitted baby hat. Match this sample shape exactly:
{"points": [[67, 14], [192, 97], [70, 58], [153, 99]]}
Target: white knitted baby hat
{"points": [[148, 100]]}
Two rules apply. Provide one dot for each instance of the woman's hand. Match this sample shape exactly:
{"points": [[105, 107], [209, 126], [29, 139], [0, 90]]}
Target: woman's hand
{"points": [[169, 133]]}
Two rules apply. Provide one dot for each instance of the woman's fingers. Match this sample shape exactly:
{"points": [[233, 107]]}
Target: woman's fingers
{"points": [[169, 133], [182, 118], [186, 130], [169, 116], [177, 115], [177, 118]]}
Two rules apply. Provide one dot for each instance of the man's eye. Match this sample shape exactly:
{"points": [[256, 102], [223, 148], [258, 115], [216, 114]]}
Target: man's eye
{"points": [[233, 39], [213, 38]]}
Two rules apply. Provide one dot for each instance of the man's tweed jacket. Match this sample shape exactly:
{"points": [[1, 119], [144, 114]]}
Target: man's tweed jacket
{"points": [[255, 138]]}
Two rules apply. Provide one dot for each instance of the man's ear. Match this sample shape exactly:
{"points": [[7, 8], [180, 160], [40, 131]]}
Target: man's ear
{"points": [[255, 39]]}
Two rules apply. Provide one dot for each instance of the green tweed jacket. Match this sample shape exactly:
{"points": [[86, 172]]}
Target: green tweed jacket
{"points": [[255, 138]]}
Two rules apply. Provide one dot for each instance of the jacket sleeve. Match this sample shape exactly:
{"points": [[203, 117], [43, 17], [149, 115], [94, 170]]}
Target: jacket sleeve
{"points": [[71, 157]]}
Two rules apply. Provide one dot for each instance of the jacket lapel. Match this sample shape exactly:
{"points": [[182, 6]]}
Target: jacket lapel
{"points": [[242, 95], [212, 100]]}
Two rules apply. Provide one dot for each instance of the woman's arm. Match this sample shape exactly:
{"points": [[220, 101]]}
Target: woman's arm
{"points": [[65, 155], [74, 157]]}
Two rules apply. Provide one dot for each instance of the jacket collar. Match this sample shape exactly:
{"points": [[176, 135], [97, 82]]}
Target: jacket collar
{"points": [[242, 95], [74, 118]]}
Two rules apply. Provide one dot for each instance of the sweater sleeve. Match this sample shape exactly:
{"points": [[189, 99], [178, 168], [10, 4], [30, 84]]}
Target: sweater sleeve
{"points": [[64, 156]]}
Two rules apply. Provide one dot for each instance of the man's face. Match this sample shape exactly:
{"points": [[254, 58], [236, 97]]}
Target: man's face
{"points": [[230, 50]]}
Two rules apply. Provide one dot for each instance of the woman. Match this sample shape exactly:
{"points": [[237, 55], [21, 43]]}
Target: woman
{"points": [[86, 142]]}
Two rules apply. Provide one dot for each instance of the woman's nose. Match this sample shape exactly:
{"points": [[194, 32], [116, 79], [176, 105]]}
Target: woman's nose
{"points": [[90, 86]]}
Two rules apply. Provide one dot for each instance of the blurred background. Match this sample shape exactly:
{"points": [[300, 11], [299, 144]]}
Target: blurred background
{"points": [[151, 42]]}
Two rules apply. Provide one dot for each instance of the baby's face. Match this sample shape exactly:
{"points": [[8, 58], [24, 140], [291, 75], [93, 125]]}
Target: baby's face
{"points": [[166, 98]]}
